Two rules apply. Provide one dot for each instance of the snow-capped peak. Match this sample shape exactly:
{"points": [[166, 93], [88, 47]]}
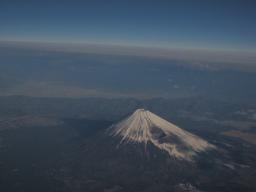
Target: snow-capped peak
{"points": [[144, 126]]}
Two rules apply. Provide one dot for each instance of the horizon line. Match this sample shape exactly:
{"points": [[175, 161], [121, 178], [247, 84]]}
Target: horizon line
{"points": [[220, 58]]}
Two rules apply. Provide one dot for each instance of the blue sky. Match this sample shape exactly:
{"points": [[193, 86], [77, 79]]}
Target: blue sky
{"points": [[218, 24]]}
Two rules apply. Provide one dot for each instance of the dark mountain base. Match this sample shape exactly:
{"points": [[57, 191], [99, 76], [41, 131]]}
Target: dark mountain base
{"points": [[79, 156]]}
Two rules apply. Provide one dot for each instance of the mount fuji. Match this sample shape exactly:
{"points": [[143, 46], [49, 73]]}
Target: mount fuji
{"points": [[146, 127]]}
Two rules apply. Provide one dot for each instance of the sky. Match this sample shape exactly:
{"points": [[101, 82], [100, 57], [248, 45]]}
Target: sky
{"points": [[215, 24]]}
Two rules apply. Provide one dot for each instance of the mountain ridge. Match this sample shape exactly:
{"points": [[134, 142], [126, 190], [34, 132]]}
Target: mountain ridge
{"points": [[146, 127]]}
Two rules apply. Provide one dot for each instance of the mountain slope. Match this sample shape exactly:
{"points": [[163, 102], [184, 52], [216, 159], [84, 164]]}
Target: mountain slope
{"points": [[145, 127]]}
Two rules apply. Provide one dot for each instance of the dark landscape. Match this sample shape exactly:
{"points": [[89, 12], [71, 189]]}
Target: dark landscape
{"points": [[70, 150]]}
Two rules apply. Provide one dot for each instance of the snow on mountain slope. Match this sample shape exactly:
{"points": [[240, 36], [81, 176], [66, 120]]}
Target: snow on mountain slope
{"points": [[146, 127]]}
